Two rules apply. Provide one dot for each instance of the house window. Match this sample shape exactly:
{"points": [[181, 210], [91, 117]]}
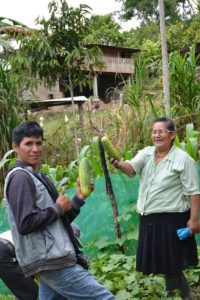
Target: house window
{"points": [[50, 96], [124, 54]]}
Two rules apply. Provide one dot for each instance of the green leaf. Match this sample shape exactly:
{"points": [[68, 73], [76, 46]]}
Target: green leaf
{"points": [[123, 295], [131, 278], [189, 130], [83, 151], [102, 244], [108, 284], [5, 158]]}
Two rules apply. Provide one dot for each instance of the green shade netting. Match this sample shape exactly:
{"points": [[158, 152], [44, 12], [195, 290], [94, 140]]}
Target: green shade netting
{"points": [[96, 217]]}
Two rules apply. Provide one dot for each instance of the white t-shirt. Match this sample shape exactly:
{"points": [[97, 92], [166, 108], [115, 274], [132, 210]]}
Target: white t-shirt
{"points": [[7, 236]]}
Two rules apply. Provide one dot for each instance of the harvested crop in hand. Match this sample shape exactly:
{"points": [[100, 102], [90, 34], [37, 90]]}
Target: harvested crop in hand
{"points": [[109, 148], [85, 176]]}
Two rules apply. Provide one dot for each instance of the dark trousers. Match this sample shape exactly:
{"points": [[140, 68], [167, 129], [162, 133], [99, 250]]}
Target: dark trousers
{"points": [[11, 274], [178, 283]]}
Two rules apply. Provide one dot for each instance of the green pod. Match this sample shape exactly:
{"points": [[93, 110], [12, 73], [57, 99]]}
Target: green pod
{"points": [[85, 176], [109, 148]]}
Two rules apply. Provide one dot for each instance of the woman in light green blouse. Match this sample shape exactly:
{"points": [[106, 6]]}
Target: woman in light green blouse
{"points": [[169, 199]]}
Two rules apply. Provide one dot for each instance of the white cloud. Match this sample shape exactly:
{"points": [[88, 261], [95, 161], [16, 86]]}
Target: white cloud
{"points": [[26, 11], [98, 7]]}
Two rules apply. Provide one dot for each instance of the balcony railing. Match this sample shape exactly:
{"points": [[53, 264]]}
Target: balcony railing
{"points": [[118, 65]]}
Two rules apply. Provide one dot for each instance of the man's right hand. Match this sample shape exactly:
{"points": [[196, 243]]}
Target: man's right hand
{"points": [[64, 201]]}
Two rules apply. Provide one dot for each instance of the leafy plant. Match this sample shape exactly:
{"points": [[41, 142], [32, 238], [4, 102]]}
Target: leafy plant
{"points": [[129, 226], [57, 175], [61, 175], [5, 159], [133, 93], [190, 142], [11, 106], [3, 163], [185, 89], [117, 272]]}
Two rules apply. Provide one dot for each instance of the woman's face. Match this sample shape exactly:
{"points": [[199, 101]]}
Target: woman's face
{"points": [[161, 136]]}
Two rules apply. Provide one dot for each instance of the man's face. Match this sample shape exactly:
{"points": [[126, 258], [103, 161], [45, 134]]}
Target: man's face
{"points": [[30, 150]]}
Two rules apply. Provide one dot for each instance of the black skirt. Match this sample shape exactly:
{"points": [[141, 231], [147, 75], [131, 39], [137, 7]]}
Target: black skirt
{"points": [[159, 249]]}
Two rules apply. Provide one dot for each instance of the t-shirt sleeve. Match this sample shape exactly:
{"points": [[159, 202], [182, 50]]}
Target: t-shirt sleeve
{"points": [[190, 178], [137, 162]]}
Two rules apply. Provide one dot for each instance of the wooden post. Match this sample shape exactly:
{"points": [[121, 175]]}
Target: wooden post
{"points": [[111, 195], [81, 120], [95, 87], [74, 114]]}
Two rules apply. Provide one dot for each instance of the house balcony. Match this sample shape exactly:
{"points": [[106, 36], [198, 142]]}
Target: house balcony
{"points": [[117, 65]]}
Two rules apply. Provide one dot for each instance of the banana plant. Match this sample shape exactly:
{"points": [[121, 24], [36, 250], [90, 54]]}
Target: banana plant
{"points": [[190, 142]]}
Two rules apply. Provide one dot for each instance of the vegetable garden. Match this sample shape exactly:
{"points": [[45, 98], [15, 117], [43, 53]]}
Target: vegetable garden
{"points": [[109, 237]]}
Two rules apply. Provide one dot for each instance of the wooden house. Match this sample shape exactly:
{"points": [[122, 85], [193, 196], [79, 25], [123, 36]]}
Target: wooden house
{"points": [[107, 83]]}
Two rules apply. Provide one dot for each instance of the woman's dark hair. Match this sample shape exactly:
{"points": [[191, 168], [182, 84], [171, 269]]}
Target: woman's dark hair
{"points": [[169, 122], [26, 129]]}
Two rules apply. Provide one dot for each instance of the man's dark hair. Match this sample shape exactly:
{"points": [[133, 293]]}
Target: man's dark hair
{"points": [[169, 122], [26, 129]]}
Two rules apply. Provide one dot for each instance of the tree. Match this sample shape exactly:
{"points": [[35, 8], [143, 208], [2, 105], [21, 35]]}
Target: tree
{"points": [[57, 51], [12, 106], [148, 10], [183, 34], [9, 30], [105, 30], [164, 57]]}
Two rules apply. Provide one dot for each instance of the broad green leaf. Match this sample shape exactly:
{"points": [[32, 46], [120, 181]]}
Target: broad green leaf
{"points": [[108, 284], [5, 158], [189, 130], [131, 278], [123, 295], [83, 151]]}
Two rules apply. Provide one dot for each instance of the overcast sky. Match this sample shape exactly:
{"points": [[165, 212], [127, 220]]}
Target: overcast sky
{"points": [[27, 11]]}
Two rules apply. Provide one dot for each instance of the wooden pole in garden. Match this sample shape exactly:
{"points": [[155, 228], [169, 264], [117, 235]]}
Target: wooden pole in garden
{"points": [[80, 112], [111, 195], [74, 114]]}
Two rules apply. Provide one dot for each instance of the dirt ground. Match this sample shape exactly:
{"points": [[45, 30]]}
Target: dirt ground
{"points": [[196, 291]]}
